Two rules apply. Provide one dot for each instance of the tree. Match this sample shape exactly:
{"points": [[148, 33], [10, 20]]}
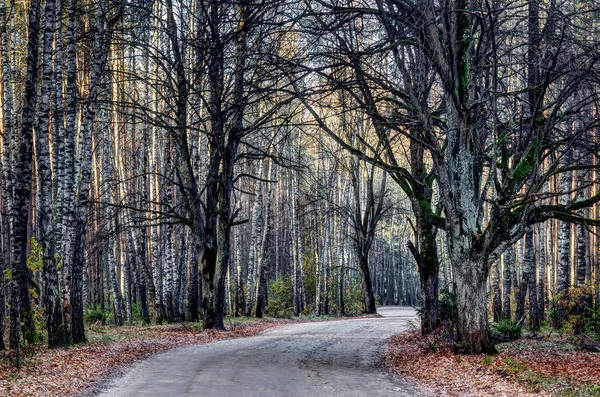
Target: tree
{"points": [[407, 89], [480, 156], [20, 301]]}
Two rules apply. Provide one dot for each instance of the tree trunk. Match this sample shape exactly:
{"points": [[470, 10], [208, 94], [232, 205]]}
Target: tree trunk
{"points": [[530, 280], [429, 277], [582, 234], [471, 297], [51, 297], [541, 293], [192, 286], [84, 168], [497, 293], [509, 264], [563, 270], [20, 303], [263, 257], [367, 284]]}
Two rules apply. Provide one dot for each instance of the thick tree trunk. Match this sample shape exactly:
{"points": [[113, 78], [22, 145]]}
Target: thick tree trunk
{"points": [[428, 265], [471, 297]]}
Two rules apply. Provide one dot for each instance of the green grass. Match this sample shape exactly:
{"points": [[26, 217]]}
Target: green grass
{"points": [[558, 387]]}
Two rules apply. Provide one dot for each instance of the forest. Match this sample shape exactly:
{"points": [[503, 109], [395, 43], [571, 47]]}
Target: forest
{"points": [[175, 161]]}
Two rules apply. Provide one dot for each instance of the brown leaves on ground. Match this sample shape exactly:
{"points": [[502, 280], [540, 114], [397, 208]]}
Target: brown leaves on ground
{"points": [[67, 372], [527, 367]]}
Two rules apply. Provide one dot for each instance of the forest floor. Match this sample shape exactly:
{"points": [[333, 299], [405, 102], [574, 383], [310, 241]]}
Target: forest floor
{"points": [[531, 366], [77, 369]]}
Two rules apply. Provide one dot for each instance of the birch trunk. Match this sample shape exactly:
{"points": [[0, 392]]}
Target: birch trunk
{"points": [[67, 177], [263, 254], [582, 235], [496, 293], [541, 293], [50, 294], [255, 241], [20, 302], [509, 268], [7, 174], [563, 266], [85, 164]]}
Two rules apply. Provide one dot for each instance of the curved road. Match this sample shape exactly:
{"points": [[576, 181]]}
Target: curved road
{"points": [[332, 358]]}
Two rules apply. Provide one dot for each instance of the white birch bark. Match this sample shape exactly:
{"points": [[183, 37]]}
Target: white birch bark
{"points": [[563, 269], [263, 257], [582, 234]]}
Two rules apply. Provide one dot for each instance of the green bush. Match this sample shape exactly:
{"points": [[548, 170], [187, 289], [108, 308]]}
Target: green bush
{"points": [[95, 315], [310, 276], [281, 298], [507, 329], [354, 299], [447, 306], [592, 322], [573, 309]]}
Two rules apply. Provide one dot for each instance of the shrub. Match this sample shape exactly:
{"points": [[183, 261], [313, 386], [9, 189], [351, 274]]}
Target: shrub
{"points": [[281, 298], [507, 329], [574, 309], [354, 299], [592, 322], [447, 306], [95, 315]]}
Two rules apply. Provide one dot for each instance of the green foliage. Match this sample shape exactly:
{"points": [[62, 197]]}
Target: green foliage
{"points": [[447, 310], [592, 322], [507, 329], [526, 165], [35, 260], [514, 365], [310, 275], [8, 275], [95, 315], [573, 309], [308, 309], [434, 346], [39, 326], [281, 298], [487, 360], [354, 299]]}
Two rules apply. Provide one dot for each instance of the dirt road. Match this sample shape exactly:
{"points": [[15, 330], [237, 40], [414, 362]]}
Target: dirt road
{"points": [[333, 358]]}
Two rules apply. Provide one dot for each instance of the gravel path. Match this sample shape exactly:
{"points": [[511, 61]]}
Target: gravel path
{"points": [[332, 358]]}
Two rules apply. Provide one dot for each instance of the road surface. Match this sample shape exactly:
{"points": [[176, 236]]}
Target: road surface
{"points": [[332, 358]]}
